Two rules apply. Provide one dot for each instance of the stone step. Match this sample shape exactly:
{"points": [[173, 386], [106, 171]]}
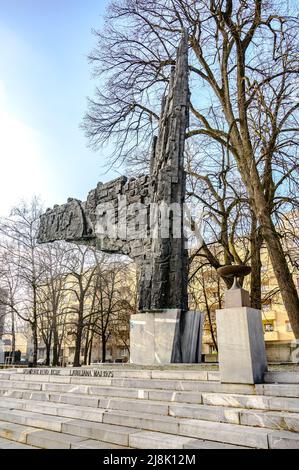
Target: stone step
{"points": [[150, 384], [35, 420], [232, 434], [38, 438], [281, 390], [238, 434], [155, 384], [99, 431], [121, 387], [113, 392], [158, 440], [63, 375], [92, 444], [270, 419], [112, 396], [147, 420], [282, 377], [122, 435], [80, 428], [53, 409], [286, 395], [67, 374], [6, 444], [258, 402]]}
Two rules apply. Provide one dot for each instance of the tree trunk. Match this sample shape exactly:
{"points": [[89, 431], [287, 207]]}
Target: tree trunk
{"points": [[35, 344], [209, 314], [278, 260], [34, 325], [13, 336], [256, 241], [48, 354], [90, 351], [55, 360], [79, 332], [282, 272], [103, 348], [86, 346], [78, 348]]}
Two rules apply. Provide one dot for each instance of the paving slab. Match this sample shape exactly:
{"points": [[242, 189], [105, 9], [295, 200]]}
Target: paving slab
{"points": [[145, 421], [200, 444], [92, 444], [99, 431], [226, 433], [15, 432], [235, 400], [270, 419], [52, 440], [146, 406], [157, 440], [36, 420], [282, 390], [205, 412], [6, 444], [283, 440], [282, 377]]}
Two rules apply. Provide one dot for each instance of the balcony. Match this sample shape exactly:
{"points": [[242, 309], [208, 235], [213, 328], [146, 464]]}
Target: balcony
{"points": [[268, 315]]}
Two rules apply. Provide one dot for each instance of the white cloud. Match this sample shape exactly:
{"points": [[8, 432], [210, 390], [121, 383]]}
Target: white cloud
{"points": [[22, 173]]}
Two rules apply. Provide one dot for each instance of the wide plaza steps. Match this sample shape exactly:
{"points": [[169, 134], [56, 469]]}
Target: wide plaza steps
{"points": [[157, 408]]}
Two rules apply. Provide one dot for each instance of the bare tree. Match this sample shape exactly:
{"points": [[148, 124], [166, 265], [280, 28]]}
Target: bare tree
{"points": [[115, 301], [78, 286], [19, 236], [52, 297]]}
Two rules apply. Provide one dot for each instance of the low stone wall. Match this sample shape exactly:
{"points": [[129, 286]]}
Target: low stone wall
{"points": [[278, 352]]}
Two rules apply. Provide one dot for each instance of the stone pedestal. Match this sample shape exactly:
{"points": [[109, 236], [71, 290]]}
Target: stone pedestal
{"points": [[164, 337], [241, 345], [295, 351]]}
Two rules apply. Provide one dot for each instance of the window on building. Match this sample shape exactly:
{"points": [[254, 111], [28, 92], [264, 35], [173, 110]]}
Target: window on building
{"points": [[288, 327], [123, 352], [268, 327]]}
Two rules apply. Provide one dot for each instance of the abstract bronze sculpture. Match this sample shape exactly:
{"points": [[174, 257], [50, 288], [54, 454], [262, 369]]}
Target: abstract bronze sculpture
{"points": [[162, 258]]}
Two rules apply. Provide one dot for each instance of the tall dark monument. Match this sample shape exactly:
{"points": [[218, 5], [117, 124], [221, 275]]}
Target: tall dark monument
{"points": [[143, 218]]}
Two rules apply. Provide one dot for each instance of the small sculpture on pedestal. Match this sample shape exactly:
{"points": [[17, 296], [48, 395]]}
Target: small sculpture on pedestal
{"points": [[241, 345]]}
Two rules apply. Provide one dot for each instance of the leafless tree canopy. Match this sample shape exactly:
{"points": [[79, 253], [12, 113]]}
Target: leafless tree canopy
{"points": [[60, 293]]}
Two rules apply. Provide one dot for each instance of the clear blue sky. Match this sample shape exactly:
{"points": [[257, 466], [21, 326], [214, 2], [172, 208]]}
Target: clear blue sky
{"points": [[44, 81]]}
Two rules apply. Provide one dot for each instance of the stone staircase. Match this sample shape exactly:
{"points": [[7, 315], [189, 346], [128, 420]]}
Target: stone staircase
{"points": [[121, 407]]}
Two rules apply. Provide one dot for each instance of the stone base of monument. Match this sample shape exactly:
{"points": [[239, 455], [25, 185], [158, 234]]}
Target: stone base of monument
{"points": [[168, 336], [241, 345]]}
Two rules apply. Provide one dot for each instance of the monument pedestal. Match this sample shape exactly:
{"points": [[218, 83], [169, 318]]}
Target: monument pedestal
{"points": [[166, 336], [241, 345]]}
